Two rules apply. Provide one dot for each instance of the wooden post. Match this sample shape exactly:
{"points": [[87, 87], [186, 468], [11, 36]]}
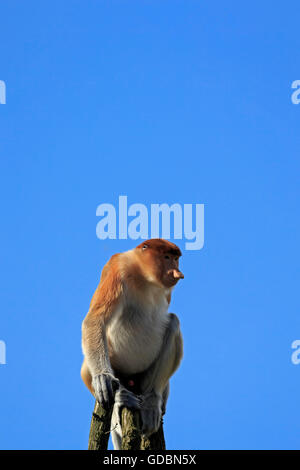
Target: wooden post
{"points": [[131, 429], [155, 442], [100, 428]]}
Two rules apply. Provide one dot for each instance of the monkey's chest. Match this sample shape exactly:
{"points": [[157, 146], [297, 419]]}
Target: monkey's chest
{"points": [[135, 338]]}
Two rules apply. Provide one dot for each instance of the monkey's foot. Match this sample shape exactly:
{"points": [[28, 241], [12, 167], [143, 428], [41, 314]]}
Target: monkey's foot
{"points": [[125, 398], [151, 412]]}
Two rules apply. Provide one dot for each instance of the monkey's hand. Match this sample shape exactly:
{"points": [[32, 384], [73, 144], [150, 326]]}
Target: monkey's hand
{"points": [[105, 386], [126, 398], [151, 412]]}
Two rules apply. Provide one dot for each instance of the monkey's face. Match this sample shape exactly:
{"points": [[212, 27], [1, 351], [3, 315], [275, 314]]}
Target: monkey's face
{"points": [[160, 259], [170, 273]]}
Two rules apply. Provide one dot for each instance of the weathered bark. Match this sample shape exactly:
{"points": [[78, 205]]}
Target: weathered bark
{"points": [[131, 433], [155, 442], [100, 428], [131, 429]]}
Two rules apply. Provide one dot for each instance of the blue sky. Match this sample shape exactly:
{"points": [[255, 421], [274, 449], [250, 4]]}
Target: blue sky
{"points": [[165, 101]]}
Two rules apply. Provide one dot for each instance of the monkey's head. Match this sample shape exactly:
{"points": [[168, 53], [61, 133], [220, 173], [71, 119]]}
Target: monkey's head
{"points": [[160, 261]]}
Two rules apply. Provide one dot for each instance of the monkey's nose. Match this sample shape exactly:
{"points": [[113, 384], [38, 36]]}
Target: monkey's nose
{"points": [[178, 274]]}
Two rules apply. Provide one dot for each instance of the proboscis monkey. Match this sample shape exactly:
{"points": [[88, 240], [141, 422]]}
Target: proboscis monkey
{"points": [[132, 345]]}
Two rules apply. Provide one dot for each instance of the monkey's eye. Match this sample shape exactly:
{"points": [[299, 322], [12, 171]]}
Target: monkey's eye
{"points": [[167, 257], [144, 247]]}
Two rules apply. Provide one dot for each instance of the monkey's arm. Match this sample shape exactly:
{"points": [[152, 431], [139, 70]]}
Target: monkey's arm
{"points": [[94, 345], [94, 340]]}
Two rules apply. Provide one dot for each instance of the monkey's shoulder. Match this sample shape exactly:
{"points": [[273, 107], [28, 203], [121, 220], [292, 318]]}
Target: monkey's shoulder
{"points": [[110, 267]]}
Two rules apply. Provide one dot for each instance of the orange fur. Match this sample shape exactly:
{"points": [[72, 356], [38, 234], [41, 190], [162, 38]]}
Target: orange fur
{"points": [[86, 376], [109, 289]]}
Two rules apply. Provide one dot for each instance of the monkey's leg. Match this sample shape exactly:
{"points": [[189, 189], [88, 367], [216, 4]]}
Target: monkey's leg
{"points": [[116, 431], [157, 376], [123, 398], [154, 384], [86, 376]]}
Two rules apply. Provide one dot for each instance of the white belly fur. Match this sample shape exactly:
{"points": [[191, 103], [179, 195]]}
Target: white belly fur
{"points": [[135, 336]]}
